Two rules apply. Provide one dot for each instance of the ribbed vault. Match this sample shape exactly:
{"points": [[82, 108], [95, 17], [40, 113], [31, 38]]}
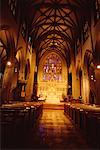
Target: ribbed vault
{"points": [[55, 24]]}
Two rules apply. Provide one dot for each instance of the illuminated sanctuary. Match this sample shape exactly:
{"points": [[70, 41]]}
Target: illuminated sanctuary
{"points": [[50, 74]]}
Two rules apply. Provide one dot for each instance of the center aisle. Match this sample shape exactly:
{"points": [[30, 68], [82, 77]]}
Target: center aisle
{"points": [[55, 131]]}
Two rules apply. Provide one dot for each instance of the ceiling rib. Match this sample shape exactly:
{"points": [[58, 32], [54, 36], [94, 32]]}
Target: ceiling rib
{"points": [[58, 17]]}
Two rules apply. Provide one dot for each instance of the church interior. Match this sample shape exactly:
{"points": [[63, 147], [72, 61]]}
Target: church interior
{"points": [[50, 74]]}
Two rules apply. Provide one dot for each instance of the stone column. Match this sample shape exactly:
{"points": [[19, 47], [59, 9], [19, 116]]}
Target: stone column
{"points": [[30, 81], [7, 82], [97, 86], [75, 82], [85, 86]]}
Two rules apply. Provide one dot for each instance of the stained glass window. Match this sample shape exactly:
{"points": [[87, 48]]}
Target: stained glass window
{"points": [[52, 68], [96, 11], [85, 31], [12, 4]]}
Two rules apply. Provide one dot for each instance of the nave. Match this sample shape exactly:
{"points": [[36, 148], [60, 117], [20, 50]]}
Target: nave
{"points": [[49, 56], [53, 130]]}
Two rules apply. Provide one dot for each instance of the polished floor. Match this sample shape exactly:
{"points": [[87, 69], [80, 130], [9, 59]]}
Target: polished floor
{"points": [[55, 131]]}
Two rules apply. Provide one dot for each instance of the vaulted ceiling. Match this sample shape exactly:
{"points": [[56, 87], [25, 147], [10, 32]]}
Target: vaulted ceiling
{"points": [[55, 24]]}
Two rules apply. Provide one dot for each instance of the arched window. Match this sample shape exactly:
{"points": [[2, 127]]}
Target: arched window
{"points": [[52, 68], [3, 57], [27, 70], [3, 61]]}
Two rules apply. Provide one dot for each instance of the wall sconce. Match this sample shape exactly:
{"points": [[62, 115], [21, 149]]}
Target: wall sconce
{"points": [[69, 86], [98, 66], [8, 63], [92, 77]]}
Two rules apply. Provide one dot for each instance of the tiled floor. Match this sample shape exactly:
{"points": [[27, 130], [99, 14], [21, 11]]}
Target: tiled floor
{"points": [[55, 131]]}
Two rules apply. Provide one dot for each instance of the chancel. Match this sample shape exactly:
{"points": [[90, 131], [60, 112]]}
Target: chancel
{"points": [[50, 74]]}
